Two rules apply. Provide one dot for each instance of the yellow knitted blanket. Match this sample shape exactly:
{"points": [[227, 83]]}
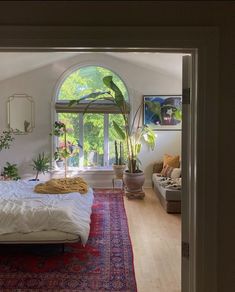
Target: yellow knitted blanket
{"points": [[62, 186]]}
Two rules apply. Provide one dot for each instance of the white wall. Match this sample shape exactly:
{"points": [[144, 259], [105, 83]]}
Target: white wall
{"points": [[41, 83]]}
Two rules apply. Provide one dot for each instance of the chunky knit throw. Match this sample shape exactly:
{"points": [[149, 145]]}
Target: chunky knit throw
{"points": [[62, 186]]}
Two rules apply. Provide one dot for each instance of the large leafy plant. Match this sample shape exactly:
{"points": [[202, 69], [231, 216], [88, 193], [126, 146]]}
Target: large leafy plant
{"points": [[133, 132]]}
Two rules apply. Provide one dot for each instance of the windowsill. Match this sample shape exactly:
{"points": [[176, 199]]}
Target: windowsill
{"points": [[85, 170]]}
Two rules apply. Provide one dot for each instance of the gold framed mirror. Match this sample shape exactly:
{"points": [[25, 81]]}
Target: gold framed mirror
{"points": [[20, 113]]}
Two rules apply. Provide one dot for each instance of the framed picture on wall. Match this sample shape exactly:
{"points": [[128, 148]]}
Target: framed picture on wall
{"points": [[163, 112]]}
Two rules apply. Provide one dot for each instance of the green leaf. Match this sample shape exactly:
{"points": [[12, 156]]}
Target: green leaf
{"points": [[119, 98], [137, 148], [119, 131]]}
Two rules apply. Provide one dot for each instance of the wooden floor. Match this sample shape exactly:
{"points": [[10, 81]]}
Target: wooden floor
{"points": [[156, 241]]}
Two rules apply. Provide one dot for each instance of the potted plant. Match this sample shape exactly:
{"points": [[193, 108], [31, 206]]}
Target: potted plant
{"points": [[119, 165], [133, 134], [62, 152], [10, 172], [41, 164], [66, 149]]}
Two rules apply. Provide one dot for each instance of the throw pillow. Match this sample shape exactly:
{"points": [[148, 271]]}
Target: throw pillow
{"points": [[176, 173], [157, 166], [171, 172], [167, 170], [173, 161]]}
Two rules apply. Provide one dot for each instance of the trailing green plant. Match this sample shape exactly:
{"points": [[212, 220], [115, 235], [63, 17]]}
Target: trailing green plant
{"points": [[133, 133], [11, 171], [119, 158], [41, 164], [5, 139]]}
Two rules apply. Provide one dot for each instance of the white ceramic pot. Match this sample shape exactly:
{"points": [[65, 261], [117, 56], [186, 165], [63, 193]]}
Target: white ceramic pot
{"points": [[118, 170]]}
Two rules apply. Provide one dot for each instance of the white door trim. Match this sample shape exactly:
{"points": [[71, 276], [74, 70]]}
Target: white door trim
{"points": [[172, 39]]}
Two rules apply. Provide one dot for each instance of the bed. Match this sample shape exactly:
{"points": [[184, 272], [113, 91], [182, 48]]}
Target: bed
{"points": [[29, 217]]}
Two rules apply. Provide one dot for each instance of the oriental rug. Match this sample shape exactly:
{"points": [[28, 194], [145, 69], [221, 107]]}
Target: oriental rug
{"points": [[104, 264]]}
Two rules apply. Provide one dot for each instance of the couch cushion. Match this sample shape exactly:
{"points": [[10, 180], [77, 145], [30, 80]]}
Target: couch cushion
{"points": [[170, 193], [157, 166], [172, 172]]}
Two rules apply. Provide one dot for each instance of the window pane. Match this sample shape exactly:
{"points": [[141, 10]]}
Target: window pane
{"points": [[71, 120], [93, 145], [113, 135], [86, 80]]}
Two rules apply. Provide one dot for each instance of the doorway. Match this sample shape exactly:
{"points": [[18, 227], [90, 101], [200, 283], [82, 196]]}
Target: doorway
{"points": [[154, 39]]}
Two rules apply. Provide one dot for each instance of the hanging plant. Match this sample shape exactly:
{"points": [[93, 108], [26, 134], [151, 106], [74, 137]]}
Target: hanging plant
{"points": [[5, 139]]}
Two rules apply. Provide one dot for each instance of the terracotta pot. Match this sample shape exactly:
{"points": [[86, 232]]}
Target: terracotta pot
{"points": [[133, 181], [118, 170]]}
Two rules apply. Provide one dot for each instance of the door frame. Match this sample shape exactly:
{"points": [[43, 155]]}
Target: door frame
{"points": [[202, 42]]}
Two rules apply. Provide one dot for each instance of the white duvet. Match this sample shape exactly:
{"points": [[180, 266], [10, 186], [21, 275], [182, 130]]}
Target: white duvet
{"points": [[23, 210]]}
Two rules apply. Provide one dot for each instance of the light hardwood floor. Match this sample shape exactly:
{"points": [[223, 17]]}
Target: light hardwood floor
{"points": [[156, 241]]}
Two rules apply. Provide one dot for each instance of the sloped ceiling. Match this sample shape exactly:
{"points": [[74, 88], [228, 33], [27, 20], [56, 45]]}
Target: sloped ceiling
{"points": [[15, 63]]}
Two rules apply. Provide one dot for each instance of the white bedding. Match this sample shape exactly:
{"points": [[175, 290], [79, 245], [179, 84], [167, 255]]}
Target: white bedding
{"points": [[22, 210]]}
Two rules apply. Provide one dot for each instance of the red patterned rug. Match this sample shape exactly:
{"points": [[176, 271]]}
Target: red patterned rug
{"points": [[104, 264]]}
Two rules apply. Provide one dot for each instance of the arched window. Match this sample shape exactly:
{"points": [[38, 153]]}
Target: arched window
{"points": [[91, 136]]}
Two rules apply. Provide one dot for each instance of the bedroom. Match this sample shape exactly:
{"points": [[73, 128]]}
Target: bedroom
{"points": [[39, 74]]}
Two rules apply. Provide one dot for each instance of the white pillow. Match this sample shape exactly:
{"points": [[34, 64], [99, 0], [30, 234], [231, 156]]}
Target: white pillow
{"points": [[176, 173]]}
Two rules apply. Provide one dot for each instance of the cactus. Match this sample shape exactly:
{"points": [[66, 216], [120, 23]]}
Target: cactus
{"points": [[119, 160], [116, 153]]}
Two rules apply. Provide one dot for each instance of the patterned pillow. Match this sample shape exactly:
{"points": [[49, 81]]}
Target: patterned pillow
{"points": [[173, 161], [170, 171]]}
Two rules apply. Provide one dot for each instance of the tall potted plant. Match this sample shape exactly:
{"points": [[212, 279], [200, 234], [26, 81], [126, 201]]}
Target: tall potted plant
{"points": [[67, 149], [60, 130], [133, 134]]}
